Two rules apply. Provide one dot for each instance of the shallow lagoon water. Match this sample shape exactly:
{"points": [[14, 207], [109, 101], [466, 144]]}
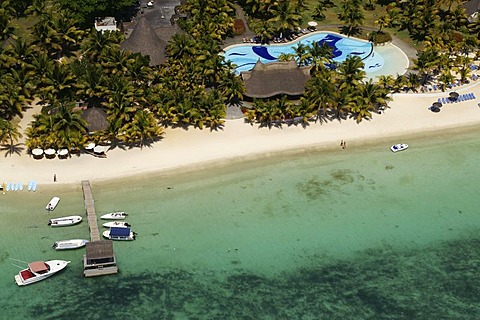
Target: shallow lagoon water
{"points": [[360, 233]]}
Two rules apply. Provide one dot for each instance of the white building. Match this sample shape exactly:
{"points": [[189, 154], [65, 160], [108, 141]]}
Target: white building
{"points": [[106, 24]]}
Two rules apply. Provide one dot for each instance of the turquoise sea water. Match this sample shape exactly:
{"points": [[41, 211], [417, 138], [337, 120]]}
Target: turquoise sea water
{"points": [[360, 233]]}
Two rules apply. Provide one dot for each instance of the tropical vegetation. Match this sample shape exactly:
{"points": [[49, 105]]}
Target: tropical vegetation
{"points": [[49, 57]]}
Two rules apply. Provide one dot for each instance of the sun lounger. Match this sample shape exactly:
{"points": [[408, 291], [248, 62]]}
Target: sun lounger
{"points": [[434, 87]]}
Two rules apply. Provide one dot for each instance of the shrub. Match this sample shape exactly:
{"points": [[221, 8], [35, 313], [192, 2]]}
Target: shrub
{"points": [[379, 37]]}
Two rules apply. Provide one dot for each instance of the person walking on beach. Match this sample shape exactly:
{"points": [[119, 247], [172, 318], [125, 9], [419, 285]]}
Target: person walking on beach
{"points": [[54, 177], [344, 144], [341, 144]]}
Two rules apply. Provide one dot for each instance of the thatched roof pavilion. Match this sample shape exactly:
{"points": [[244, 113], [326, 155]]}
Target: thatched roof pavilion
{"points": [[144, 40], [96, 119], [99, 250], [268, 80]]}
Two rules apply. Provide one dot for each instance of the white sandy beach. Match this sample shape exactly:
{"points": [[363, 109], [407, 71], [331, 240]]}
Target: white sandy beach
{"points": [[180, 148]]}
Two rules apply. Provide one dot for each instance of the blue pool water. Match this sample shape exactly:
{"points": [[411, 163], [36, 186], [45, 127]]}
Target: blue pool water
{"points": [[245, 56]]}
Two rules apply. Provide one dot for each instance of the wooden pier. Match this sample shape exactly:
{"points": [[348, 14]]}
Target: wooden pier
{"points": [[99, 258], [91, 213]]}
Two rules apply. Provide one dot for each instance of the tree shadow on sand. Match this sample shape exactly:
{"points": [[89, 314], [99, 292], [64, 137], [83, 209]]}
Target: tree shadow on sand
{"points": [[12, 149]]}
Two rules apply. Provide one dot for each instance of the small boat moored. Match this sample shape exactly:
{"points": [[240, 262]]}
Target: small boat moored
{"points": [[118, 215], [69, 244], [39, 270], [117, 233], [399, 147], [119, 224], [52, 204], [64, 221]]}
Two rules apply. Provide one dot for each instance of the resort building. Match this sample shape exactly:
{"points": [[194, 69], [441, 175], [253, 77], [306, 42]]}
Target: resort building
{"points": [[106, 24], [145, 41], [99, 259], [275, 78]]}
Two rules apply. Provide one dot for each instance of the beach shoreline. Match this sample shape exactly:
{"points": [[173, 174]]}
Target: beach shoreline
{"points": [[193, 149]]}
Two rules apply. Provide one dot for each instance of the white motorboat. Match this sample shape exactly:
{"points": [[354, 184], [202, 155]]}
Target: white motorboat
{"points": [[39, 270], [64, 221], [117, 233], [69, 244], [52, 204], [119, 224], [117, 215], [399, 147]]}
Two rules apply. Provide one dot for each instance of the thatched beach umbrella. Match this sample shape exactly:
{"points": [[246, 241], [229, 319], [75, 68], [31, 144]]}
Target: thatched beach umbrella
{"points": [[62, 152], [37, 152], [437, 104], [50, 152], [96, 119]]}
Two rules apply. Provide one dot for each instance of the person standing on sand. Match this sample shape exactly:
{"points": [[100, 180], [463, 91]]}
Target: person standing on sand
{"points": [[344, 144], [54, 177]]}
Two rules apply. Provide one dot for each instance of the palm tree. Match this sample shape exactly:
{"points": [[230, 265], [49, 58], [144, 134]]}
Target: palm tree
{"points": [[318, 91], [301, 54], [352, 16], [232, 88], [70, 128], [285, 16], [6, 14], [370, 97], [351, 71], [11, 104], [9, 133], [143, 129]]}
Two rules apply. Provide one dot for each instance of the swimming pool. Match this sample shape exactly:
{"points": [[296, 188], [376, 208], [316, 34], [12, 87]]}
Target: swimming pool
{"points": [[244, 56]]}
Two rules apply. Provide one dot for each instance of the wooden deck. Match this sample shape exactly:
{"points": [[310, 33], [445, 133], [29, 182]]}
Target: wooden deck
{"points": [[91, 213]]}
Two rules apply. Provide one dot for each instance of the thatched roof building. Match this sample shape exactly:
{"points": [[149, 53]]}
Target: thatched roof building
{"points": [[99, 251], [268, 80], [96, 119], [144, 40]]}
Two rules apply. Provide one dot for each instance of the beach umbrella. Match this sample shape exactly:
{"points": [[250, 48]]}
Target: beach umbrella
{"points": [[312, 23], [437, 104], [37, 152], [90, 146], [50, 152], [453, 95], [99, 149], [434, 109], [62, 152]]}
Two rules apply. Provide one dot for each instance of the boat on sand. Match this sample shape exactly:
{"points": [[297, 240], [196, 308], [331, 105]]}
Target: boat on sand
{"points": [[39, 270]]}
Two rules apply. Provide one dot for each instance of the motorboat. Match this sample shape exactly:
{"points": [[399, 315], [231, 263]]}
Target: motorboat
{"points": [[117, 215], [119, 224], [64, 221], [117, 233], [399, 147], [52, 204], [69, 244], [39, 270]]}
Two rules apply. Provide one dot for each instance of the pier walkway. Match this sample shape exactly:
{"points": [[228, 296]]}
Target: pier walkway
{"points": [[91, 213]]}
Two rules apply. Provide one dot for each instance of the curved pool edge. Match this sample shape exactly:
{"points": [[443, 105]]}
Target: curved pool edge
{"points": [[399, 66]]}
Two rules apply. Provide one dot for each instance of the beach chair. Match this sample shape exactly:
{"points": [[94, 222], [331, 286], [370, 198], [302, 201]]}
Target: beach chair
{"points": [[435, 87]]}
